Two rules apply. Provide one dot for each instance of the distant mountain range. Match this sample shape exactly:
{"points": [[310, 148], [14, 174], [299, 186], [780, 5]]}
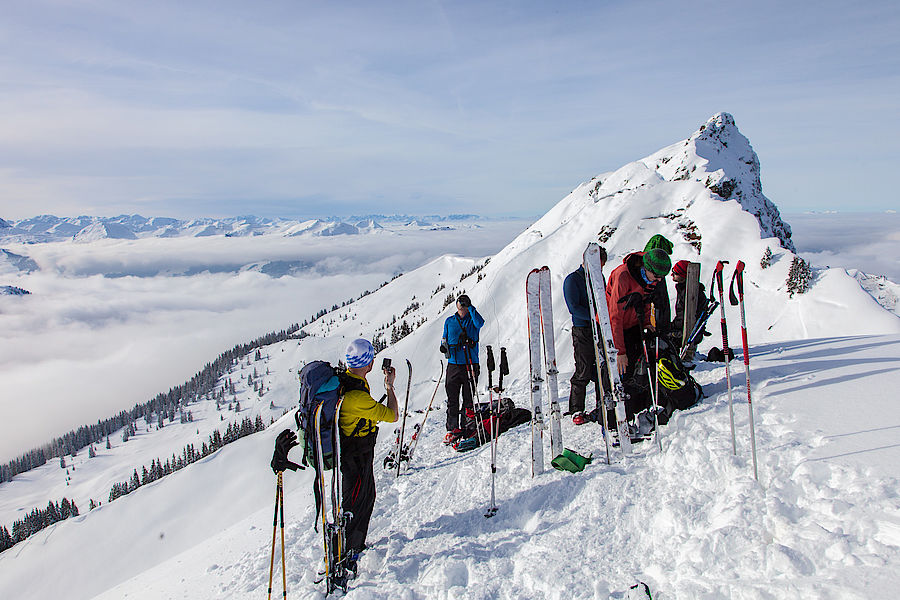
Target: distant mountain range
{"points": [[51, 228]]}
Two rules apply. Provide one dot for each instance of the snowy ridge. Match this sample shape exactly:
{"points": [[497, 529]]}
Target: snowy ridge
{"points": [[882, 289], [691, 521], [50, 228]]}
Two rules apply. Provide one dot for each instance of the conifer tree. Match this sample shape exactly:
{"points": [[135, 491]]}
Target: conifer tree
{"points": [[799, 278], [766, 261]]}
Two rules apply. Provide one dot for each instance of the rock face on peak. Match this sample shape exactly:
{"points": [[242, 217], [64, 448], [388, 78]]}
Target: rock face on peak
{"points": [[721, 158]]}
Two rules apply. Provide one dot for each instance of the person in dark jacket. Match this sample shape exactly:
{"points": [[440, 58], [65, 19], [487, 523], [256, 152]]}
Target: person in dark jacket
{"points": [[660, 298], [576, 294], [460, 345]]}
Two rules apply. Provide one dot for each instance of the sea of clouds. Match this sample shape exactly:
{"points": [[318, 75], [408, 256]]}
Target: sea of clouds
{"points": [[112, 323]]}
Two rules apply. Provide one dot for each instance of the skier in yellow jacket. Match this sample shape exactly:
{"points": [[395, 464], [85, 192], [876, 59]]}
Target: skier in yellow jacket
{"points": [[360, 414]]}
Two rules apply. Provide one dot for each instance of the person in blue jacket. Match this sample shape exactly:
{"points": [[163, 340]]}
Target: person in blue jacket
{"points": [[576, 295], [460, 346]]}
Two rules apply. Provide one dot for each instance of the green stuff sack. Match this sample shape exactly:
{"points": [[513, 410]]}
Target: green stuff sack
{"points": [[571, 461]]}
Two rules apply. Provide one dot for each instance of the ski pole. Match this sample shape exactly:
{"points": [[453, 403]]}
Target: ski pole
{"points": [[701, 322], [492, 509], [655, 380], [491, 365], [470, 372], [717, 277], [504, 368], [415, 437], [279, 504], [281, 513], [739, 276]]}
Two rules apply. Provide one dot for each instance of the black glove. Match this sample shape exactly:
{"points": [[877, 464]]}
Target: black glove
{"points": [[445, 351], [286, 440]]}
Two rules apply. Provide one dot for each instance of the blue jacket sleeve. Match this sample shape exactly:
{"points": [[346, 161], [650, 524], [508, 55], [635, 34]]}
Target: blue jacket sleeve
{"points": [[575, 293], [477, 319]]}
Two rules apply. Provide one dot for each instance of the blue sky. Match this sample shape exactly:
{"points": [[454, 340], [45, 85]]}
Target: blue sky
{"points": [[294, 108]]}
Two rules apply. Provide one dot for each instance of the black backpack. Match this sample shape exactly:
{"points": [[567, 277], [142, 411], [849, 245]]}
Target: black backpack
{"points": [[321, 387], [677, 388]]}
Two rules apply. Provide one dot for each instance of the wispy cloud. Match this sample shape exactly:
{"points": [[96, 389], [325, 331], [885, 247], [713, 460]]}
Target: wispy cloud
{"points": [[119, 105]]}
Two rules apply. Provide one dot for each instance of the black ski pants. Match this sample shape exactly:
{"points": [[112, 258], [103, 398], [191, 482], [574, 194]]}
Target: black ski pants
{"points": [[358, 481], [458, 380], [585, 368]]}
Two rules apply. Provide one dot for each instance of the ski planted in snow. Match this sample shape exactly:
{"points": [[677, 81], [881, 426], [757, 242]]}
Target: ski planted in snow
{"points": [[602, 329], [540, 327], [338, 568], [692, 291], [533, 302], [417, 429], [396, 456]]}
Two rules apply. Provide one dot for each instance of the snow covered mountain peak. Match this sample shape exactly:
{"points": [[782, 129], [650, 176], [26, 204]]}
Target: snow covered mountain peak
{"points": [[721, 158], [100, 230]]}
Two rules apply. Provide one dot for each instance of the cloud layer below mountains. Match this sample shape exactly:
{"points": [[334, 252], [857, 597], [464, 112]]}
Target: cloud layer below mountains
{"points": [[85, 345]]}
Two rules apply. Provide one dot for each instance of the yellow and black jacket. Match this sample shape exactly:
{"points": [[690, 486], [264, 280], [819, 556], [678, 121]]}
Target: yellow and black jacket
{"points": [[360, 413]]}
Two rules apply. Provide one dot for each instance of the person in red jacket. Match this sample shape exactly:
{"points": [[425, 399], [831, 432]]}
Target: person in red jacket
{"points": [[638, 274]]}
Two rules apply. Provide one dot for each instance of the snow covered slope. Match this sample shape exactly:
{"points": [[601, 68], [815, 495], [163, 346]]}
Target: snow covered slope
{"points": [[823, 522]]}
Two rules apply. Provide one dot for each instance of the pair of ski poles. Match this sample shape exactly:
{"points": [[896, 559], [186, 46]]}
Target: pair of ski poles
{"points": [[495, 417], [279, 509], [493, 412], [736, 300]]}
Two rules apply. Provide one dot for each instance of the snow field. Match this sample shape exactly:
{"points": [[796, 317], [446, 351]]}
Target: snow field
{"points": [[690, 521]]}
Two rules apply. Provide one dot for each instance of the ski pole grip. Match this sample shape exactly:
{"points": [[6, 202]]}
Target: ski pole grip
{"points": [[732, 298], [490, 359]]}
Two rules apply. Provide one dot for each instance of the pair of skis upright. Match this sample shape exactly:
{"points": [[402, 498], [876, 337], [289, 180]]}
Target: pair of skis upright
{"points": [[403, 452], [606, 351], [399, 453], [338, 569], [540, 327]]}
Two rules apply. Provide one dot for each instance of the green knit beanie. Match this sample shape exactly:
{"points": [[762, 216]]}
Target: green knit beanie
{"points": [[658, 241], [658, 261]]}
